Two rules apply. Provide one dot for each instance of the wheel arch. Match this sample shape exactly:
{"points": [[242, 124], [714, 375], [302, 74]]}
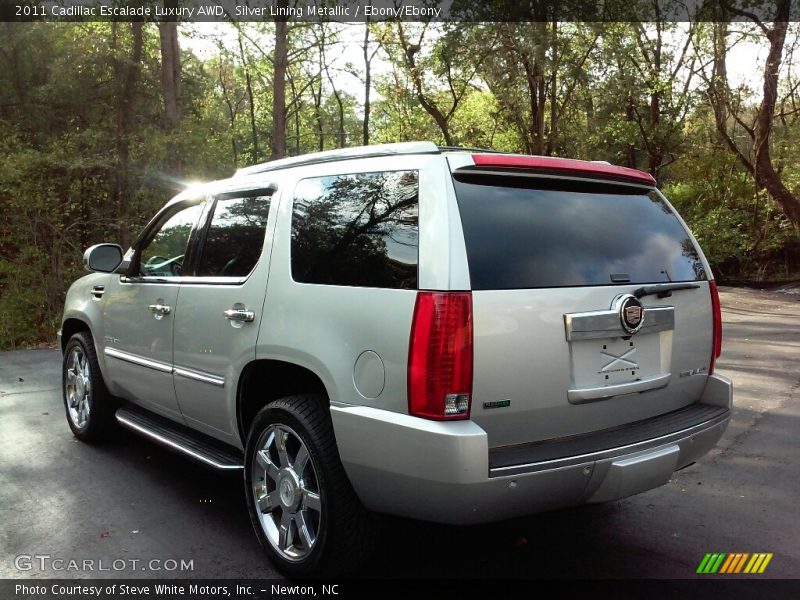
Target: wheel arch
{"points": [[70, 327], [265, 380]]}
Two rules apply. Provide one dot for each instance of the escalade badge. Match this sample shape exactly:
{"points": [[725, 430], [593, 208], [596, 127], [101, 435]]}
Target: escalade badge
{"points": [[631, 313]]}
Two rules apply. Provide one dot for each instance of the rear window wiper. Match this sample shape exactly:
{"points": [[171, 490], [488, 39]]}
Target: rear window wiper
{"points": [[663, 290]]}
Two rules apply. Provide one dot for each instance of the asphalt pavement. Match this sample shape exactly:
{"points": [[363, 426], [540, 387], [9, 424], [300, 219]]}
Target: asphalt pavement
{"points": [[133, 502]]}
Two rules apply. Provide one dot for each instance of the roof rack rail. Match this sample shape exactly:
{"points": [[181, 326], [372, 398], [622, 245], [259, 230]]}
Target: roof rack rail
{"points": [[341, 154], [470, 149]]}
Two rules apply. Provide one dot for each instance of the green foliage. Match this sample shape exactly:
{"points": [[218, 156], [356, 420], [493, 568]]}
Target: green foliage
{"points": [[742, 231], [73, 174]]}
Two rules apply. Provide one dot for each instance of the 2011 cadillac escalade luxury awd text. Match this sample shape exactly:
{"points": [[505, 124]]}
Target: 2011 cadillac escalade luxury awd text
{"points": [[455, 336]]}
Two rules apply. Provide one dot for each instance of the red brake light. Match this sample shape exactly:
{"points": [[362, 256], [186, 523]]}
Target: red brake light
{"points": [[716, 348], [440, 356]]}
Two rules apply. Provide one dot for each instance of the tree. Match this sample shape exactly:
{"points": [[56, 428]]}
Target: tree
{"points": [[757, 159], [170, 73], [127, 71], [280, 65], [455, 66], [369, 56]]}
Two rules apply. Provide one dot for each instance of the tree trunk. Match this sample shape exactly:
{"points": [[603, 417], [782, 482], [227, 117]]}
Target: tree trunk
{"points": [[367, 85], [170, 73], [250, 101], [719, 78], [553, 125], [760, 166], [127, 73], [766, 175], [278, 142], [409, 52], [171, 90], [341, 135], [541, 88], [654, 152]]}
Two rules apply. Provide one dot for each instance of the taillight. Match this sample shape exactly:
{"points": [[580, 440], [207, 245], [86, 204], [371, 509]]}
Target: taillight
{"points": [[716, 348], [440, 356]]}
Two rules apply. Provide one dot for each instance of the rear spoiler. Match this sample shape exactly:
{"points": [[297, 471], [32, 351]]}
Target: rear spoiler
{"points": [[548, 164]]}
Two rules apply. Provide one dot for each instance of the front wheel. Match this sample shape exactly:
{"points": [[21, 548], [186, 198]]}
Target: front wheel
{"points": [[302, 506], [89, 406]]}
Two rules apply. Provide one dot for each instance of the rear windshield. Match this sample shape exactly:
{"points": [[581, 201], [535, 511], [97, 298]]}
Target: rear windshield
{"points": [[526, 232]]}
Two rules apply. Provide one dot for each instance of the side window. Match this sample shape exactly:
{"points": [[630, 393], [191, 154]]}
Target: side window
{"points": [[163, 255], [357, 230], [235, 237]]}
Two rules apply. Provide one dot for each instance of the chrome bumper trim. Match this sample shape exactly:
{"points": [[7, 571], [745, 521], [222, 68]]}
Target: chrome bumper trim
{"points": [[584, 395], [610, 452]]}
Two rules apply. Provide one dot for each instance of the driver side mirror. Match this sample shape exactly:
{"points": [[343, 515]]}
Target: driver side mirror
{"points": [[102, 258]]}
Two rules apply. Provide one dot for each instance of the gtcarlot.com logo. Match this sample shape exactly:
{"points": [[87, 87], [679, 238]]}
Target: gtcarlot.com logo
{"points": [[732, 563], [45, 562]]}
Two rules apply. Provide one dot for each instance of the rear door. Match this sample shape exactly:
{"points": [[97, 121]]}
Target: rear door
{"points": [[220, 306], [562, 345]]}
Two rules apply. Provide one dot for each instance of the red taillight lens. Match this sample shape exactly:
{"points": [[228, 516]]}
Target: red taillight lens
{"points": [[440, 356], [716, 348]]}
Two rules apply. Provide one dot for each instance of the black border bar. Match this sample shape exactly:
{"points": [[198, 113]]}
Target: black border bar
{"points": [[403, 10]]}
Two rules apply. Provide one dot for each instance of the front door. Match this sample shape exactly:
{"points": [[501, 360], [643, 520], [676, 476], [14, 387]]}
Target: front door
{"points": [[140, 311], [219, 311]]}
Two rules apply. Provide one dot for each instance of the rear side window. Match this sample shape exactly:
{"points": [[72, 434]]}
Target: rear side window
{"points": [[357, 230], [534, 233], [235, 236]]}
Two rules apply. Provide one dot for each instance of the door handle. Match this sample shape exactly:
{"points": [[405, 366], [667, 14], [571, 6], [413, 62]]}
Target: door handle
{"points": [[239, 314], [160, 309]]}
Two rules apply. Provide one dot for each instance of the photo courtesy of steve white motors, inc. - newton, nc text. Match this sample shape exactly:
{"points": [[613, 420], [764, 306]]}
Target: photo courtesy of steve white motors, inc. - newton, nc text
{"points": [[399, 299]]}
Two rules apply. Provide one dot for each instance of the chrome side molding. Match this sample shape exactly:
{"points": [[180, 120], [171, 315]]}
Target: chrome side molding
{"points": [[164, 367], [202, 377], [138, 360]]}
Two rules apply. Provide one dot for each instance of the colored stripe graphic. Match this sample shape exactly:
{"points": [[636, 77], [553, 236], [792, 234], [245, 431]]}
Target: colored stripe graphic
{"points": [[764, 564], [741, 562], [734, 563], [704, 563], [732, 558], [711, 563], [716, 565]]}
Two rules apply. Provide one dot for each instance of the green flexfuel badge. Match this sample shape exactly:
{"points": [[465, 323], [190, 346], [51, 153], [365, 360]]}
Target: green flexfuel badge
{"points": [[497, 404]]}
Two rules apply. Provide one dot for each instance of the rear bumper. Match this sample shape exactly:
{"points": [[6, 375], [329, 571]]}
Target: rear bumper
{"points": [[440, 471]]}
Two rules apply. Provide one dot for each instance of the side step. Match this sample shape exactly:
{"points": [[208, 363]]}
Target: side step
{"points": [[182, 439]]}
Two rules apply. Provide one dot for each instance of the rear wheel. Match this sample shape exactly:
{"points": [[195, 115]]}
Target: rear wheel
{"points": [[302, 506], [89, 406]]}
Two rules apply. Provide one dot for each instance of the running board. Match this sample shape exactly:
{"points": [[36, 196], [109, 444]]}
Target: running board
{"points": [[178, 438]]}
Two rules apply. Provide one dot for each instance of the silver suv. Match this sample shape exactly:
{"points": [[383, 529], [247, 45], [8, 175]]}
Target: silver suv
{"points": [[452, 335]]}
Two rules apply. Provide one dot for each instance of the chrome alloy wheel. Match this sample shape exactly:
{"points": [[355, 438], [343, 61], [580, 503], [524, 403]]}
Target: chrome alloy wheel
{"points": [[286, 492], [78, 388]]}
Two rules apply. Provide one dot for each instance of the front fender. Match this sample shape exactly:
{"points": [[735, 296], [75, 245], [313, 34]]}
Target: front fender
{"points": [[81, 304]]}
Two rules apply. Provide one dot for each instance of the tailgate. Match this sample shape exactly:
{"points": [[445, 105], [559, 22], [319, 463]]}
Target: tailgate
{"points": [[571, 334]]}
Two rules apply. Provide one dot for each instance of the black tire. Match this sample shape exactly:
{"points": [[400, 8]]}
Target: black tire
{"points": [[98, 421], [345, 533]]}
